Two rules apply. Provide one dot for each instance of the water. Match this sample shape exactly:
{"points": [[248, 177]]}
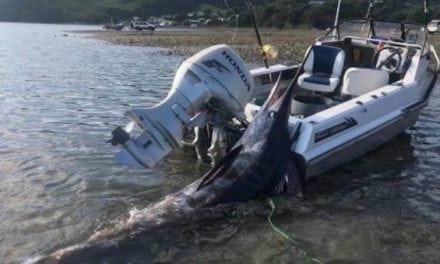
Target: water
{"points": [[62, 94]]}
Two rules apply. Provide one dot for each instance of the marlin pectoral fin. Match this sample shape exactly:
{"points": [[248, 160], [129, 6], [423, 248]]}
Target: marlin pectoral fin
{"points": [[293, 180], [220, 168]]}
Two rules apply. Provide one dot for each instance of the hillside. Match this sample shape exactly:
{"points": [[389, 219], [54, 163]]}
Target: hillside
{"points": [[93, 11], [271, 13]]}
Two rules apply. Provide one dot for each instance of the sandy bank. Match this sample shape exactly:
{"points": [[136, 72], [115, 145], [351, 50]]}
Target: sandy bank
{"points": [[291, 44]]}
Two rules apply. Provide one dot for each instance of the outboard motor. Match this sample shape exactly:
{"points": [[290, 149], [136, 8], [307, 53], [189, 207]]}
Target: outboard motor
{"points": [[216, 75]]}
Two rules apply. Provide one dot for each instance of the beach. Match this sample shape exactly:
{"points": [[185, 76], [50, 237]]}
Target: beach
{"points": [[291, 44]]}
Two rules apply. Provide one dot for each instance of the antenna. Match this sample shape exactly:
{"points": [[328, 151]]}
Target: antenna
{"points": [[371, 8], [427, 19], [337, 17], [369, 16], [426, 9]]}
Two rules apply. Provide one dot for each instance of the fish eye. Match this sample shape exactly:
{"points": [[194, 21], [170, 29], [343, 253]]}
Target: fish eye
{"points": [[272, 114]]}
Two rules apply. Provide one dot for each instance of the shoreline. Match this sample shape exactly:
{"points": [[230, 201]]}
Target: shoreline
{"points": [[291, 44]]}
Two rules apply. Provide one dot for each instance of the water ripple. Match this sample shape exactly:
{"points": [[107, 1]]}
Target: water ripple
{"points": [[61, 97]]}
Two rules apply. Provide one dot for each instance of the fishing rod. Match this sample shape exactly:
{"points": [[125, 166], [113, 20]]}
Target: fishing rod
{"points": [[253, 18], [369, 18]]}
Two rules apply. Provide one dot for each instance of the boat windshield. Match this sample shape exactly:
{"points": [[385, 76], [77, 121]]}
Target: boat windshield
{"points": [[384, 30]]}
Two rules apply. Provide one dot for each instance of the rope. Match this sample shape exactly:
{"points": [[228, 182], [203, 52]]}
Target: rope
{"points": [[276, 229], [297, 244]]}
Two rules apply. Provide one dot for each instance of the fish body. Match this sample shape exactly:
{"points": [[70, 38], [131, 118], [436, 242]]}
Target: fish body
{"points": [[259, 165]]}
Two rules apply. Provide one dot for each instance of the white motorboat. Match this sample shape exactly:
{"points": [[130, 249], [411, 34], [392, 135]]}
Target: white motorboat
{"points": [[358, 87], [380, 76], [434, 26]]}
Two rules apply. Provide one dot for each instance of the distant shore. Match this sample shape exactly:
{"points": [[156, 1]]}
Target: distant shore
{"points": [[291, 44]]}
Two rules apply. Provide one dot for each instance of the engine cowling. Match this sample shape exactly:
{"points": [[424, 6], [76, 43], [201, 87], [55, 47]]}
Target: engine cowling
{"points": [[215, 75]]}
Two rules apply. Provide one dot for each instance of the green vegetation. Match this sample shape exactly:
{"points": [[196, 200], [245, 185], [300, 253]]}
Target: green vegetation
{"points": [[271, 13], [88, 11]]}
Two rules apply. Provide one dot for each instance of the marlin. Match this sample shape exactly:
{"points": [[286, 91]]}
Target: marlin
{"points": [[259, 165]]}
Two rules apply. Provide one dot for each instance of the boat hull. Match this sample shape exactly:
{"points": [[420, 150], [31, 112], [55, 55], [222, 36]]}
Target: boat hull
{"points": [[367, 141], [359, 146]]}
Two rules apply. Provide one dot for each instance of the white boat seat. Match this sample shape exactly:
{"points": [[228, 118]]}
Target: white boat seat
{"points": [[359, 81], [322, 69]]}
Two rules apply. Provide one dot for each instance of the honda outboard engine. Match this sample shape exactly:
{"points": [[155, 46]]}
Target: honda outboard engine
{"points": [[215, 76]]}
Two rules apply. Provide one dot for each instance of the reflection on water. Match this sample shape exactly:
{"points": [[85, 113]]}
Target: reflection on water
{"points": [[61, 95]]}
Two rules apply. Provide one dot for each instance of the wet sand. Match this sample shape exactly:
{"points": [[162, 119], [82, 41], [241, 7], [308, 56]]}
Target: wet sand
{"points": [[291, 44]]}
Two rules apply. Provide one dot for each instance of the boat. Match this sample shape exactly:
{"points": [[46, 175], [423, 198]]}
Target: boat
{"points": [[114, 26], [434, 26], [360, 84]]}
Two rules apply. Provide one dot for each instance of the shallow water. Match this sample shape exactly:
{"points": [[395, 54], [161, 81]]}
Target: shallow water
{"points": [[62, 94]]}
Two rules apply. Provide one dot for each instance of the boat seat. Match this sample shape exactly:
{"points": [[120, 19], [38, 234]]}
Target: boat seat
{"points": [[359, 81], [322, 69]]}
